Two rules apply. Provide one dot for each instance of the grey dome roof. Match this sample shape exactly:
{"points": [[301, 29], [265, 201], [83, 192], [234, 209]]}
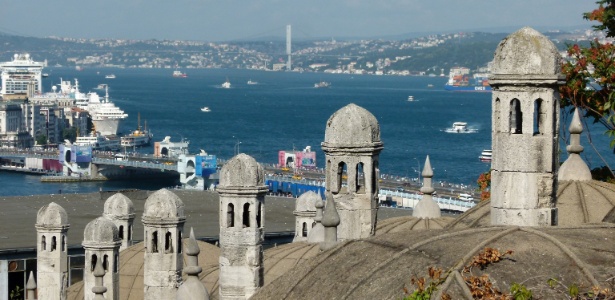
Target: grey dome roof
{"points": [[100, 230], [242, 171], [131, 271], [408, 223], [307, 201], [119, 205], [380, 267], [352, 126], [578, 202], [526, 52], [163, 205], [52, 214]]}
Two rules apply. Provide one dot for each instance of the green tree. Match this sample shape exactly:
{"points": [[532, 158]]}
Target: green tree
{"points": [[590, 72], [70, 134], [41, 139]]}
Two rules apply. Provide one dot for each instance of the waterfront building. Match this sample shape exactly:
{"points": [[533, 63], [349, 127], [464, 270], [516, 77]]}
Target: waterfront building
{"points": [[12, 126], [17, 74]]}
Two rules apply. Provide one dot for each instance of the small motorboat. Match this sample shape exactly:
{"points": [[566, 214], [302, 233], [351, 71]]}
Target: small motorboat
{"points": [[410, 98], [205, 109], [251, 82], [461, 127], [226, 84], [486, 155]]}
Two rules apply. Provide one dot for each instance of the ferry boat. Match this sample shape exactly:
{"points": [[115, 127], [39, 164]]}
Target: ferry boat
{"points": [[178, 73], [486, 155], [460, 127], [459, 80], [105, 115], [322, 84], [99, 142], [226, 84], [110, 76], [138, 137]]}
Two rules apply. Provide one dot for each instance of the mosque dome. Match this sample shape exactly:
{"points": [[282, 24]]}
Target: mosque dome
{"points": [[276, 261], [131, 271], [242, 171], [307, 202], [163, 205], [408, 223], [381, 267], [52, 214], [526, 52], [352, 126], [119, 206], [100, 230]]}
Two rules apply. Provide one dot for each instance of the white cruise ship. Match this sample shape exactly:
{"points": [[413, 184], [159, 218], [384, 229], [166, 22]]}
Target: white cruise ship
{"points": [[105, 115], [67, 96], [16, 75]]}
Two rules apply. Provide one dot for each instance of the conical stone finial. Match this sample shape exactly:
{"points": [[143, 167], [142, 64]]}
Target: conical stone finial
{"points": [[317, 234], [99, 289], [574, 168], [192, 288], [30, 286], [427, 207], [330, 220]]}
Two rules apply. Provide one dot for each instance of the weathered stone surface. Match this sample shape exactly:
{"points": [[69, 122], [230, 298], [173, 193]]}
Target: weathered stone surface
{"points": [[526, 52], [352, 126], [163, 205], [242, 171], [52, 215]]}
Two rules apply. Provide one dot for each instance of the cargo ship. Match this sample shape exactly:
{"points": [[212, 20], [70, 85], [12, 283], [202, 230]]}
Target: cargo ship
{"points": [[459, 80]]}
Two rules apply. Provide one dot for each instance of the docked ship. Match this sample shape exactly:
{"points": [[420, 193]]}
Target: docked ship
{"points": [[105, 115], [18, 74], [459, 81], [99, 142], [178, 73], [138, 137]]}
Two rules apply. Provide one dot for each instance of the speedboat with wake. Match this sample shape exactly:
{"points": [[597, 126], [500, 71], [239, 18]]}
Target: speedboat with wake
{"points": [[460, 127]]}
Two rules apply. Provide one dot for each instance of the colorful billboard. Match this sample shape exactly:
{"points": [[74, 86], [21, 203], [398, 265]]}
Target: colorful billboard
{"points": [[205, 165], [297, 159], [81, 153]]}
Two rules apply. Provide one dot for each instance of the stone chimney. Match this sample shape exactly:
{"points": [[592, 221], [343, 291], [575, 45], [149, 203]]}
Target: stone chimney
{"points": [[352, 146], [51, 259], [163, 222], [242, 192], [525, 130]]}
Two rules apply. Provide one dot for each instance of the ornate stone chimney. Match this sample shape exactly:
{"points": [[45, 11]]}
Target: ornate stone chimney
{"points": [[525, 130]]}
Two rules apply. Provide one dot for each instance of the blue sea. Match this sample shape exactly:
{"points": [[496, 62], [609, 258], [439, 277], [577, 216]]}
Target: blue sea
{"points": [[284, 112]]}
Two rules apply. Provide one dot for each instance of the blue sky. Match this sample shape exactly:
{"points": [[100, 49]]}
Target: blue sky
{"points": [[224, 20]]}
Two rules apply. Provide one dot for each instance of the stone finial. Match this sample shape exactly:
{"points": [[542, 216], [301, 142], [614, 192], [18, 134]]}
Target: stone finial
{"points": [[99, 289], [30, 286], [52, 215], [574, 168], [330, 221], [317, 234], [526, 52], [427, 207], [305, 211], [192, 288], [353, 126], [163, 205], [119, 206]]}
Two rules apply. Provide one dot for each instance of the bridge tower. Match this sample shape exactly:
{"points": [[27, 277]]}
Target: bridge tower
{"points": [[288, 48]]}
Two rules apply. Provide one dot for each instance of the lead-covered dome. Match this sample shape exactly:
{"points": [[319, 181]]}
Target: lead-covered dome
{"points": [[242, 171], [526, 52], [119, 206], [100, 230], [52, 214], [352, 126], [163, 205]]}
